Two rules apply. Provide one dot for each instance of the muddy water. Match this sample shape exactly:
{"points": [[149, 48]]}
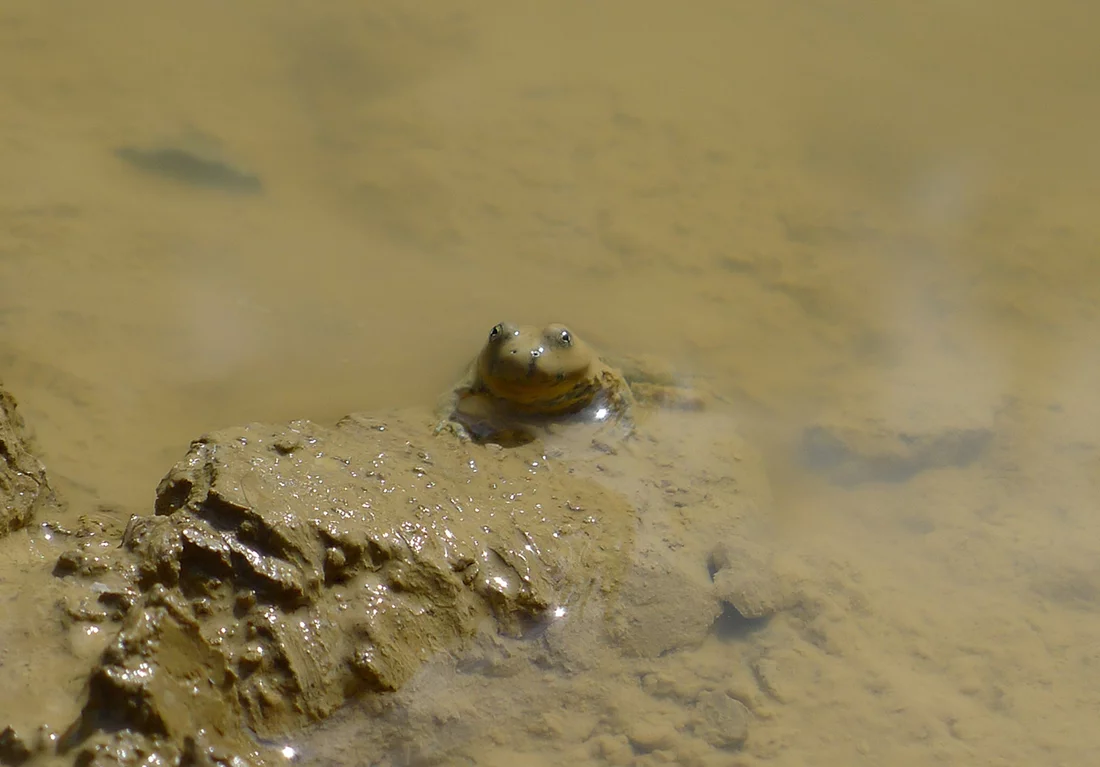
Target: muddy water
{"points": [[845, 209]]}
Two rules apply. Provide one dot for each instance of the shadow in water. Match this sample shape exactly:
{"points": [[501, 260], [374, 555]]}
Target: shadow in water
{"points": [[731, 625]]}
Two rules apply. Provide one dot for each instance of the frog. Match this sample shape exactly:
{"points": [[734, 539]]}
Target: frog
{"points": [[526, 378]]}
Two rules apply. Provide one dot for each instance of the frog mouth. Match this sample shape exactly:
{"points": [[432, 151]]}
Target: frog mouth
{"points": [[529, 385]]}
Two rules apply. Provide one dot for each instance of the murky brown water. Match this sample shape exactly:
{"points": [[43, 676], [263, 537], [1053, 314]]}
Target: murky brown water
{"points": [[827, 207]]}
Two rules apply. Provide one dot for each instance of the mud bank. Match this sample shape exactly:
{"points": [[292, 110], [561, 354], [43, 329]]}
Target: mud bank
{"points": [[290, 568], [24, 488]]}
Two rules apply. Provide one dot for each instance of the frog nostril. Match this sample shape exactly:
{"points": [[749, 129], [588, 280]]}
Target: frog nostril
{"points": [[536, 352]]}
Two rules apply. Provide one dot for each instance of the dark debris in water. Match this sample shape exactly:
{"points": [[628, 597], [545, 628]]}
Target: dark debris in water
{"points": [[190, 168]]}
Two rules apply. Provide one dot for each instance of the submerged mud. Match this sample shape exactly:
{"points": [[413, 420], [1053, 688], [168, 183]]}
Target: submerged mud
{"points": [[291, 568]]}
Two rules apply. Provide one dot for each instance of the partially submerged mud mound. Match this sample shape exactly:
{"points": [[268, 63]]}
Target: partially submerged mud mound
{"points": [[290, 568], [24, 488]]}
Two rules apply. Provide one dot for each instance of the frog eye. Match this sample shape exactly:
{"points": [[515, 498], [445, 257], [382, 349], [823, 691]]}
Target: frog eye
{"points": [[496, 332], [566, 338]]}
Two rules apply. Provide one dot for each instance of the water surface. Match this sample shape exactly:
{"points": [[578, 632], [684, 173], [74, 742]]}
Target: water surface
{"points": [[884, 214]]}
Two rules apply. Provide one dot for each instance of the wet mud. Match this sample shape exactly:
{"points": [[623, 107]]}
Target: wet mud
{"points": [[24, 488], [290, 569]]}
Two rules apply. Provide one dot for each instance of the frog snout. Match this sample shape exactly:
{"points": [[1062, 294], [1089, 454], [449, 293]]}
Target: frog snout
{"points": [[533, 364]]}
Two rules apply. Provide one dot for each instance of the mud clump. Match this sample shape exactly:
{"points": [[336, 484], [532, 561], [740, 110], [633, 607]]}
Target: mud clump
{"points": [[160, 691], [24, 488], [288, 569]]}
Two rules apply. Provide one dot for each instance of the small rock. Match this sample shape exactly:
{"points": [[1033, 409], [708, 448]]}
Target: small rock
{"points": [[663, 605], [647, 735], [745, 578], [770, 680], [721, 721]]}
